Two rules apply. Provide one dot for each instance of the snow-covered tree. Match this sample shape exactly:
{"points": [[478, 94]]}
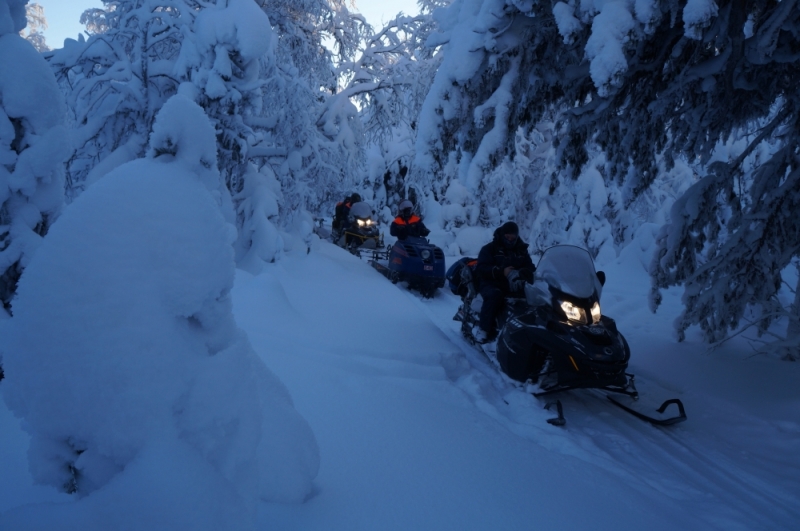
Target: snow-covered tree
{"points": [[100, 20], [391, 78], [310, 142], [37, 23], [223, 62], [509, 65], [117, 80], [33, 147], [648, 83], [736, 230], [147, 364]]}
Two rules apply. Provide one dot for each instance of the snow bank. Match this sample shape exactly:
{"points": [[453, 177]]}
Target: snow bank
{"points": [[124, 360]]}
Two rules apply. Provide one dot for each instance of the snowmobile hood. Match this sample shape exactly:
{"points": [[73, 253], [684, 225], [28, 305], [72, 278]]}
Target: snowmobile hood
{"points": [[361, 210], [569, 269]]}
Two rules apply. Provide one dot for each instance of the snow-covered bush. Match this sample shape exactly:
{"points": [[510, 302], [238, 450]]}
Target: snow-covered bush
{"points": [[116, 81], [124, 359], [33, 147]]}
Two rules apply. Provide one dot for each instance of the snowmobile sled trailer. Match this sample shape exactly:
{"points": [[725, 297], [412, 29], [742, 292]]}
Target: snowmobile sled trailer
{"points": [[415, 261]]}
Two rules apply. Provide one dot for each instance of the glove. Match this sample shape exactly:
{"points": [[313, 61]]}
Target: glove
{"points": [[526, 275], [515, 281]]}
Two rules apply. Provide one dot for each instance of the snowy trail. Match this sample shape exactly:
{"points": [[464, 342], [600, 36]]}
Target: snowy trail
{"points": [[696, 466], [636, 451], [688, 463], [375, 377], [418, 430]]}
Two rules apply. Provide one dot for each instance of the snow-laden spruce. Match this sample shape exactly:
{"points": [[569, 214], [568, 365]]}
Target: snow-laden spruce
{"points": [[33, 147], [637, 93], [123, 351]]}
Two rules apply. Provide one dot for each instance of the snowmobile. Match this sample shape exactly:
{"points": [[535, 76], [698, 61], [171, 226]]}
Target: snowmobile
{"points": [[555, 336], [361, 233], [415, 261]]}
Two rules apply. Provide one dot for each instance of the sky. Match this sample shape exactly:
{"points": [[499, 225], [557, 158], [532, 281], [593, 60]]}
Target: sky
{"points": [[63, 16]]}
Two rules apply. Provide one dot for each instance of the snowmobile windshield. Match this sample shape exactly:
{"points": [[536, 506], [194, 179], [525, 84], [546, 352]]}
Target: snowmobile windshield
{"points": [[569, 269], [361, 210]]}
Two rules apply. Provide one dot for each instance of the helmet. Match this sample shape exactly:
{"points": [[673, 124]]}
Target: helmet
{"points": [[405, 208], [355, 198]]}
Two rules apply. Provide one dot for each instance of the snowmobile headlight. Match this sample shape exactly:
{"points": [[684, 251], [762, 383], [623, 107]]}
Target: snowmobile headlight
{"points": [[361, 222], [574, 313], [367, 222], [596, 312], [425, 254]]}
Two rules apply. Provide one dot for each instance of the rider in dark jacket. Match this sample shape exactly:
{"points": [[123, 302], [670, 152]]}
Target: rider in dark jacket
{"points": [[503, 266], [342, 212], [407, 223]]}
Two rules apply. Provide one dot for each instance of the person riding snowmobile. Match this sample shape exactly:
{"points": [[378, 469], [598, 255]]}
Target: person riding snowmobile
{"points": [[407, 223], [504, 266], [342, 211]]}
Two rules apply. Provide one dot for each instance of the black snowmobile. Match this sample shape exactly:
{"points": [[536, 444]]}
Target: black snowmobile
{"points": [[415, 261], [556, 336], [361, 232]]}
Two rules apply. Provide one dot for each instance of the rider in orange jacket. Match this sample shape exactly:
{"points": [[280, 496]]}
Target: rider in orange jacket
{"points": [[407, 223]]}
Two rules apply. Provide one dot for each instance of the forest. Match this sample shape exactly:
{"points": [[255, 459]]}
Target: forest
{"points": [[163, 177], [581, 121]]}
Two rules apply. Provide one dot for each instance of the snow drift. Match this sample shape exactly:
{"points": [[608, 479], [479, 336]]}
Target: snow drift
{"points": [[123, 352]]}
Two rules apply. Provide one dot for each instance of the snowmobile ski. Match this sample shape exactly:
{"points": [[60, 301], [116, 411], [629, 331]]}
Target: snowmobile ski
{"points": [[559, 420], [680, 417]]}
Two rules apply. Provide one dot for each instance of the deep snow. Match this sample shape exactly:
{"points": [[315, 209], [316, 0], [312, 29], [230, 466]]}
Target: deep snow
{"points": [[417, 431]]}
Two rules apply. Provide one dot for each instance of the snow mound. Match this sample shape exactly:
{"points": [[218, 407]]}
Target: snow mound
{"points": [[123, 344]]}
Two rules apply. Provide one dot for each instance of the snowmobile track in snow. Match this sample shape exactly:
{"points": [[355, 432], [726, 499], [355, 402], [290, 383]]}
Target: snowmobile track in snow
{"points": [[625, 446]]}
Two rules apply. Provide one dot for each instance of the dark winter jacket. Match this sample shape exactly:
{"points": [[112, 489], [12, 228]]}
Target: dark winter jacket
{"points": [[341, 214], [496, 255], [402, 228]]}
